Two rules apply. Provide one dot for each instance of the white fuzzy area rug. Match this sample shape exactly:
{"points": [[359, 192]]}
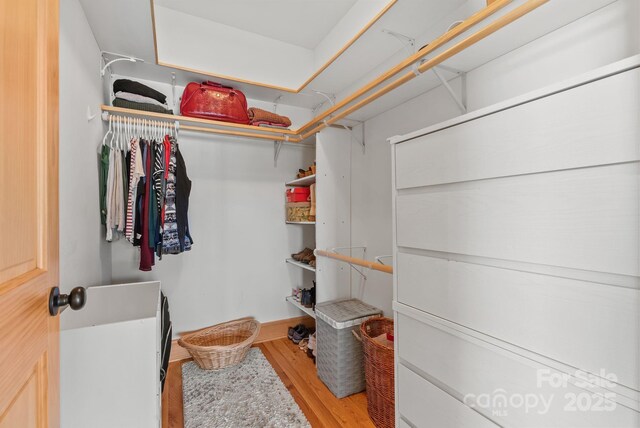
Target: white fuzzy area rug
{"points": [[244, 396]]}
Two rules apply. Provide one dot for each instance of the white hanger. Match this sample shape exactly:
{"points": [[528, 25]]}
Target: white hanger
{"points": [[120, 139], [109, 131], [113, 135]]}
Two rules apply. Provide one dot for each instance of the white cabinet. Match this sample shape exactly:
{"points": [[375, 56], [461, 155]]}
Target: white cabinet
{"points": [[517, 240], [110, 359]]}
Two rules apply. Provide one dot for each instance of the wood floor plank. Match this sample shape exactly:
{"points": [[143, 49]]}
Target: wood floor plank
{"points": [[173, 385], [298, 374], [340, 409], [300, 380]]}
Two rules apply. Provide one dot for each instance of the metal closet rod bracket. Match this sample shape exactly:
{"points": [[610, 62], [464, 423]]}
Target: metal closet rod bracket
{"points": [[121, 57], [379, 258], [277, 146], [408, 43], [364, 255]]}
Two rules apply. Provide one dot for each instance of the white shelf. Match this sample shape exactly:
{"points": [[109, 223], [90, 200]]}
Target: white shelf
{"points": [[298, 305], [301, 265], [301, 222], [302, 182]]}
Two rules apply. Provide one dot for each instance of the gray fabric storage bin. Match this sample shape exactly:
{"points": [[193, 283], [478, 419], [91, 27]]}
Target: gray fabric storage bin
{"points": [[339, 359]]}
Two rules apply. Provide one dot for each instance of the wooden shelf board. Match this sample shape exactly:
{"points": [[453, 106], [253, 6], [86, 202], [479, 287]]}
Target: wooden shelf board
{"points": [[298, 305], [302, 182], [186, 119], [301, 265]]}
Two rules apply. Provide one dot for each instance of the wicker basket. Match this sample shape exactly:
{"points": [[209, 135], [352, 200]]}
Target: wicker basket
{"points": [[298, 211], [379, 371], [222, 345]]}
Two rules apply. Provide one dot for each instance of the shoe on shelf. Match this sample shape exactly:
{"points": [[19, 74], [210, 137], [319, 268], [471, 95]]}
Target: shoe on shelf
{"points": [[301, 173], [308, 258], [305, 297], [312, 263], [308, 298], [304, 253]]}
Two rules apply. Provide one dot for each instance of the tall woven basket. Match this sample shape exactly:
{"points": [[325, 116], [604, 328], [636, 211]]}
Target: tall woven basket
{"points": [[379, 372], [222, 345]]}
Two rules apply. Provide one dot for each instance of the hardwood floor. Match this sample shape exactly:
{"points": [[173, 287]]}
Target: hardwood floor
{"points": [[298, 374]]}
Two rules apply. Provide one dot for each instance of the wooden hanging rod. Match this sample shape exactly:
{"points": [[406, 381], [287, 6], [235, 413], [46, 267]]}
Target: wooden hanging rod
{"points": [[499, 23], [435, 44], [355, 261], [223, 128]]}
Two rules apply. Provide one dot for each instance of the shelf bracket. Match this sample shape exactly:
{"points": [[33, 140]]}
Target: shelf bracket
{"points": [[379, 258], [121, 57], [361, 139], [408, 43], [460, 102], [330, 97], [275, 103], [364, 256], [277, 146], [173, 90]]}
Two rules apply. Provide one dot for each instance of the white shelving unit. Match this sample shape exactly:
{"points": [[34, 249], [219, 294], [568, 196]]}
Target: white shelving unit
{"points": [[298, 305], [302, 182], [301, 265]]}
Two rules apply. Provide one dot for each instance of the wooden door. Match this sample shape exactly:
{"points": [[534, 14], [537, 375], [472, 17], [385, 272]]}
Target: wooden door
{"points": [[29, 362]]}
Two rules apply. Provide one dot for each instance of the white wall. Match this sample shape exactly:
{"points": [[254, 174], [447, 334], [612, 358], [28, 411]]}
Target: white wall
{"points": [[250, 56], [236, 267], [603, 37], [236, 217], [84, 258]]}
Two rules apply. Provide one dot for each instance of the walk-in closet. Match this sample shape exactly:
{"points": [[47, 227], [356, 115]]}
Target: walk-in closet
{"points": [[320, 213]]}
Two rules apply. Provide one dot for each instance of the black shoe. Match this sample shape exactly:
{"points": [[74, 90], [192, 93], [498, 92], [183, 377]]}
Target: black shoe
{"points": [[300, 333], [292, 331]]}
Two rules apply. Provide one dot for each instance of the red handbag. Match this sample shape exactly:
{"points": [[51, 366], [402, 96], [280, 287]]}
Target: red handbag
{"points": [[211, 100]]}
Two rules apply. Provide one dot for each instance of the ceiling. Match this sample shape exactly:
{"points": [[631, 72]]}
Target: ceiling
{"points": [[283, 20], [368, 57], [259, 41]]}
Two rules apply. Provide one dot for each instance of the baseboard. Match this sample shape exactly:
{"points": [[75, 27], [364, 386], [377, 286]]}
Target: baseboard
{"points": [[271, 330]]}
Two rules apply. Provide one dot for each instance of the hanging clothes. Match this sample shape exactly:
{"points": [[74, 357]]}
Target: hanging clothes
{"points": [[136, 172], [183, 191], [110, 200], [103, 161], [146, 254], [144, 193], [170, 241]]}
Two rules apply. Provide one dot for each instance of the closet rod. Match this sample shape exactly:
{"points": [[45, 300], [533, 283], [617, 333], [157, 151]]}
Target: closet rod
{"points": [[355, 261], [241, 134], [435, 44], [499, 23], [263, 134], [187, 119]]}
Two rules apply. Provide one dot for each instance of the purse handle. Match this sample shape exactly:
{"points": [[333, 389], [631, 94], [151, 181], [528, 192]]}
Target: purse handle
{"points": [[215, 84], [204, 86]]}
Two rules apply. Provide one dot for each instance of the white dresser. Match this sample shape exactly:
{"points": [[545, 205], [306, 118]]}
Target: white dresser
{"points": [[110, 359], [517, 263]]}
